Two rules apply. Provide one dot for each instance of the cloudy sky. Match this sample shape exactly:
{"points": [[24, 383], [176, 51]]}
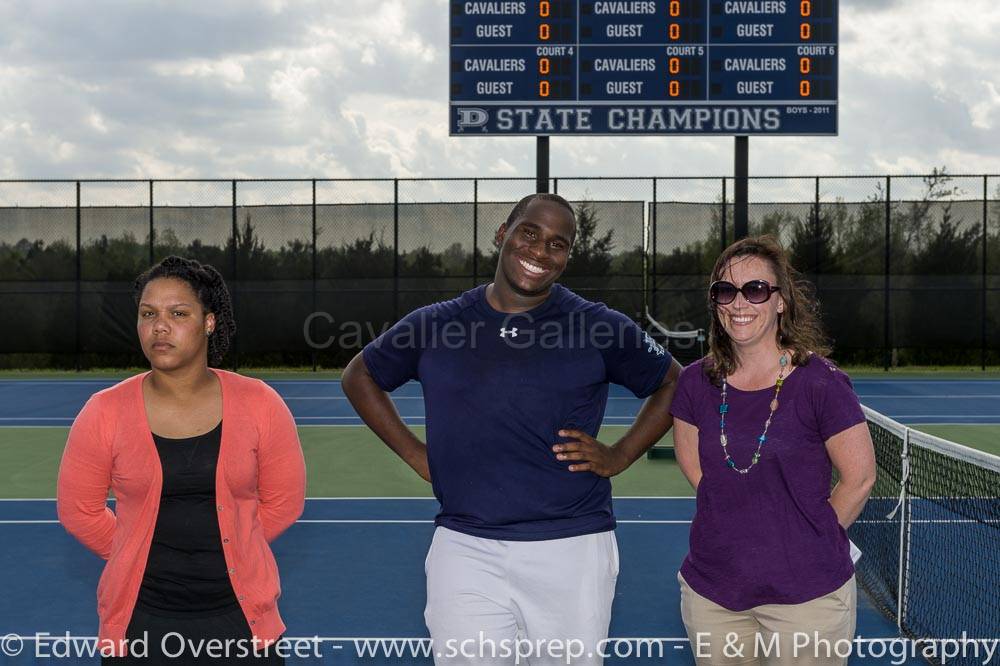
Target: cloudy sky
{"points": [[358, 88]]}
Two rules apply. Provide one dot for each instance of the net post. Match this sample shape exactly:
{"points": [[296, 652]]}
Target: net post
{"points": [[475, 232], [904, 531], [395, 249], [722, 233], [741, 183], [79, 278], [541, 164], [315, 360], [152, 229], [887, 339], [652, 261], [817, 236], [983, 304], [234, 290], [647, 217]]}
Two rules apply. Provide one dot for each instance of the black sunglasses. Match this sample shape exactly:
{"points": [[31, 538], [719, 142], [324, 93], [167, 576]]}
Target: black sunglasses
{"points": [[755, 291]]}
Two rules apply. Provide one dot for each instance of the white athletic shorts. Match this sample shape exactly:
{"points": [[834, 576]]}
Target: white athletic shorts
{"points": [[525, 602]]}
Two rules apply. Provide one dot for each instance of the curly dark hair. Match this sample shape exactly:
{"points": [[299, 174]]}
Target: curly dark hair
{"points": [[799, 326], [212, 293]]}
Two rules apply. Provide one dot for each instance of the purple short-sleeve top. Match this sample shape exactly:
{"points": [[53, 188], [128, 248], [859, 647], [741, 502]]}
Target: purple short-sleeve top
{"points": [[769, 536]]}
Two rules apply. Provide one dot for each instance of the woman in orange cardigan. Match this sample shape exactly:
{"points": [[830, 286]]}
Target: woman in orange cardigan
{"points": [[207, 470]]}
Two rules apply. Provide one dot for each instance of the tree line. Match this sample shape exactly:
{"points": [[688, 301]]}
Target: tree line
{"points": [[935, 256]]}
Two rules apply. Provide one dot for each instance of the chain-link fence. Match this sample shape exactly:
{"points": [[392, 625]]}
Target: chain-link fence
{"points": [[907, 269]]}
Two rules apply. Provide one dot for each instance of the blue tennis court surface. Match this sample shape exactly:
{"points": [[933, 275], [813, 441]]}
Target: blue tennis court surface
{"points": [[353, 568], [322, 402]]}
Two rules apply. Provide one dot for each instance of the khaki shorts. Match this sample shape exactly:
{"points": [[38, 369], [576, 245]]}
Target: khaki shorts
{"points": [[815, 632]]}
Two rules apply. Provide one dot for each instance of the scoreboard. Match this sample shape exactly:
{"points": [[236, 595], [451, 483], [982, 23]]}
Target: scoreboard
{"points": [[559, 67]]}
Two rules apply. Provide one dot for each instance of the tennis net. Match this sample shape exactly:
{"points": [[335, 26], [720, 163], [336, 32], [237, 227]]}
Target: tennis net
{"points": [[686, 346], [930, 536]]}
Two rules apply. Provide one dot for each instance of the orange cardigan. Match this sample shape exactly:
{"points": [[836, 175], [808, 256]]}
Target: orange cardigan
{"points": [[259, 487]]}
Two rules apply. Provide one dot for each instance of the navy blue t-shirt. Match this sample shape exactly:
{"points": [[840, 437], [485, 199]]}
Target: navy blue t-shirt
{"points": [[497, 389]]}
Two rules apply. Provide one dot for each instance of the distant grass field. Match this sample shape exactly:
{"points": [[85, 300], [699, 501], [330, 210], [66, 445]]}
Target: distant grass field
{"points": [[341, 461], [349, 461], [982, 437]]}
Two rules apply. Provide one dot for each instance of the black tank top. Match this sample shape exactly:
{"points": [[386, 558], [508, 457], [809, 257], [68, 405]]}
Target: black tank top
{"points": [[186, 569]]}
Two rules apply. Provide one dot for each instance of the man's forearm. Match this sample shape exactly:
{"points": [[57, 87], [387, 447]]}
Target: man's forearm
{"points": [[653, 420], [377, 410]]}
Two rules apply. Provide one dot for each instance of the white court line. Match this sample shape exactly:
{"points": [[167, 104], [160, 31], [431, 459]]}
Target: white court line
{"points": [[355, 499], [343, 397], [393, 521], [935, 416], [420, 397], [414, 497], [68, 420], [77, 382], [945, 423], [373, 521], [605, 420], [313, 382], [901, 380], [331, 380], [344, 425], [357, 418], [359, 521], [861, 394], [931, 521], [55, 382], [613, 397], [954, 396], [362, 521], [352, 418]]}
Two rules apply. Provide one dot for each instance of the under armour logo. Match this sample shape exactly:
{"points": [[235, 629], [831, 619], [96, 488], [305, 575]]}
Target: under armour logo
{"points": [[653, 346], [504, 332]]}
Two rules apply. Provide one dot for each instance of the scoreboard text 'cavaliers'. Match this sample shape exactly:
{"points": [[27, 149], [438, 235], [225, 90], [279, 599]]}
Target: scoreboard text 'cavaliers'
{"points": [[549, 67]]}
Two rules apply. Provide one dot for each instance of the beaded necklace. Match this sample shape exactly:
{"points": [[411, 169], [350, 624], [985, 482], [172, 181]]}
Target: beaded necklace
{"points": [[724, 408]]}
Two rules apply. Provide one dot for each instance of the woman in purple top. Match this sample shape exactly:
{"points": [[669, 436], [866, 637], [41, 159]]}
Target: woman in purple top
{"points": [[759, 426]]}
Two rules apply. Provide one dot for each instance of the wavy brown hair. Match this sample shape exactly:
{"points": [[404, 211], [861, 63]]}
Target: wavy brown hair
{"points": [[799, 326]]}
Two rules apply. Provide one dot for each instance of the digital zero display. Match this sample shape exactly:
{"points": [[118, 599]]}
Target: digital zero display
{"points": [[551, 67]]}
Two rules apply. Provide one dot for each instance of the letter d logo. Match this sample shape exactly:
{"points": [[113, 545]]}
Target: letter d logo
{"points": [[472, 117]]}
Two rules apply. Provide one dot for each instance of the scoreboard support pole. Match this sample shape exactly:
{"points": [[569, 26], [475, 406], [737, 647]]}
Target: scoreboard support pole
{"points": [[741, 176], [542, 164]]}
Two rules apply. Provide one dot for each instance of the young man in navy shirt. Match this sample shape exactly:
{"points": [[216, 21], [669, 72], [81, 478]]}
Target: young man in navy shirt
{"points": [[515, 378]]}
